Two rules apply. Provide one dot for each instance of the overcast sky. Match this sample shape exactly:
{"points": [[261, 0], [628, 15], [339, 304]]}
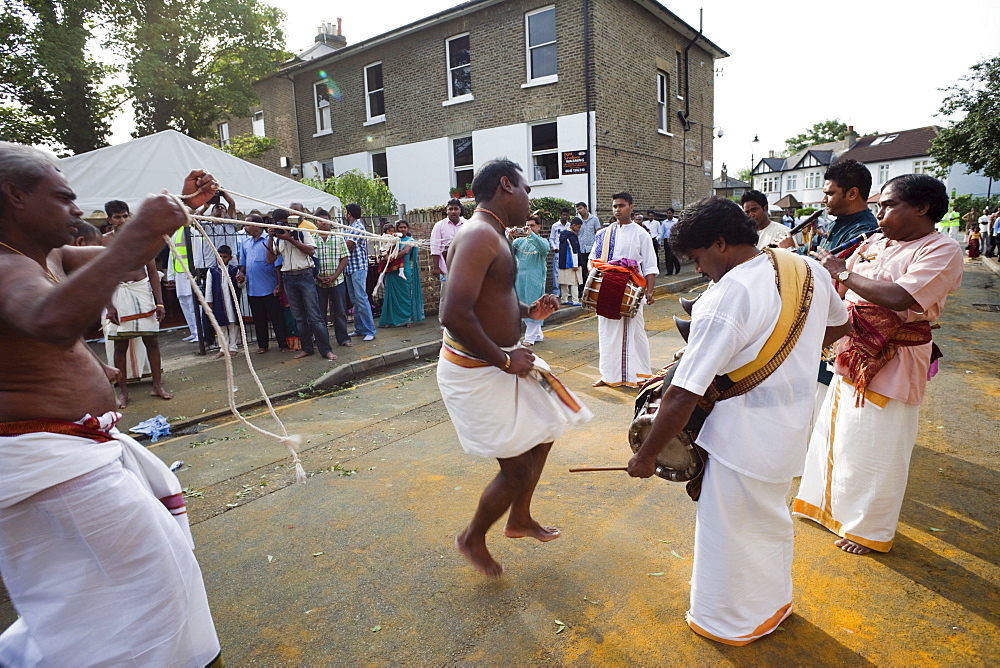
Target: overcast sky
{"points": [[876, 64]]}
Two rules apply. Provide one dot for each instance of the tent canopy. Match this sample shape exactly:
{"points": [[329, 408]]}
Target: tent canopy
{"points": [[133, 170]]}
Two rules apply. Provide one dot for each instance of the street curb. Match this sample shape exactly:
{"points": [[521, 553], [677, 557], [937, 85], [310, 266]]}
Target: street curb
{"points": [[366, 366], [991, 263]]}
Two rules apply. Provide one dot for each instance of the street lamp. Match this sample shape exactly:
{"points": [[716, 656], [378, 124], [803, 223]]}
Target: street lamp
{"points": [[753, 141]]}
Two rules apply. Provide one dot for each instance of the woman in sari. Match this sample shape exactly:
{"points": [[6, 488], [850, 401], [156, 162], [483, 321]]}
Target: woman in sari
{"points": [[403, 303]]}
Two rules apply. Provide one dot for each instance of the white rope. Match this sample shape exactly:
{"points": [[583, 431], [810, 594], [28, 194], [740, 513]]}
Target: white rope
{"points": [[303, 214], [291, 441]]}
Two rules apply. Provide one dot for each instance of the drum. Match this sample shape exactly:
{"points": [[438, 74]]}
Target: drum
{"points": [[681, 459], [630, 301]]}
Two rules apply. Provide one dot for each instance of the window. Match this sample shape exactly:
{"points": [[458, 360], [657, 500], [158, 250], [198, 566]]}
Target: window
{"points": [[791, 183], [921, 166], [770, 184], [459, 68], [461, 150], [544, 152], [885, 139], [883, 174], [327, 169], [374, 93], [321, 98], [223, 130], [380, 167], [677, 75], [540, 29], [814, 180], [258, 124], [662, 108]]}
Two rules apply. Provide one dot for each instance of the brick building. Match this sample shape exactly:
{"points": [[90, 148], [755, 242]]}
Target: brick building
{"points": [[588, 96]]}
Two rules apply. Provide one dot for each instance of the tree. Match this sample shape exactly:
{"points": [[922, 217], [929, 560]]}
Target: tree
{"points": [[249, 146], [369, 191], [820, 133], [47, 71], [190, 62], [974, 139], [744, 175]]}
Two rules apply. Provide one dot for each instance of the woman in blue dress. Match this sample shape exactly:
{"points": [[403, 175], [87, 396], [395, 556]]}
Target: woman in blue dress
{"points": [[403, 304]]}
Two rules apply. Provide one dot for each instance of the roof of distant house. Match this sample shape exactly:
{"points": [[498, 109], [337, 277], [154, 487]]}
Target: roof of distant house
{"points": [[893, 145], [729, 183]]}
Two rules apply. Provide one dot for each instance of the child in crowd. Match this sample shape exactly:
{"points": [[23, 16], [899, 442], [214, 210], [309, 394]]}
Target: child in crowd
{"points": [[570, 276], [220, 301]]}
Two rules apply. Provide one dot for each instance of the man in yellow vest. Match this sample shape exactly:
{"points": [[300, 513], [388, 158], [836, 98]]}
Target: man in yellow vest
{"points": [[951, 224], [176, 277]]}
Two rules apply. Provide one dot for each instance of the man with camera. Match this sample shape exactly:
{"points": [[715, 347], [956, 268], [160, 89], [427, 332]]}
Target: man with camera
{"points": [[295, 247]]}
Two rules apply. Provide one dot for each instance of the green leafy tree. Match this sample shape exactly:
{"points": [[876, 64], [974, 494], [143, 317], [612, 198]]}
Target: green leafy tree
{"points": [[369, 191], [48, 73], [974, 139], [187, 61], [820, 133], [250, 146], [744, 174]]}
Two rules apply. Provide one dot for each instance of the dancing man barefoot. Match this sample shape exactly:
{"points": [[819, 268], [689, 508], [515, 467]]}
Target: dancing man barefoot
{"points": [[486, 379]]}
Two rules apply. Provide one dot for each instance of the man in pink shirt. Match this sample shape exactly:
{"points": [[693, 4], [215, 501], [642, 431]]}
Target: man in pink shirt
{"points": [[894, 285], [441, 236]]}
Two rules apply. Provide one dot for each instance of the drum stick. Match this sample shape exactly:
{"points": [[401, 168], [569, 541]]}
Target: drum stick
{"points": [[589, 469]]}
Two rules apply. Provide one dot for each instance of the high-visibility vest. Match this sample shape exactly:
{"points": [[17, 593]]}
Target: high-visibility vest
{"points": [[952, 219], [182, 250]]}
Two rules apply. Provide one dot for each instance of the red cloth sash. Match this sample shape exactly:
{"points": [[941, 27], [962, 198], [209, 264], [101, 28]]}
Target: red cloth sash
{"points": [[878, 334], [89, 429]]}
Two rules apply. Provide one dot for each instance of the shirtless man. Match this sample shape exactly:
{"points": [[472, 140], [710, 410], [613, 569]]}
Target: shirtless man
{"points": [[483, 373], [118, 215], [90, 537]]}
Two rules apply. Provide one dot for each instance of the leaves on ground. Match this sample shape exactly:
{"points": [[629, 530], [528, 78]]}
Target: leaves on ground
{"points": [[935, 529], [676, 555], [316, 554], [655, 575], [560, 626], [192, 493], [376, 628]]}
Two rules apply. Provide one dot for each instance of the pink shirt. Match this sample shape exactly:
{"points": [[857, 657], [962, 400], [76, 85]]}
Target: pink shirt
{"points": [[928, 268], [442, 234]]}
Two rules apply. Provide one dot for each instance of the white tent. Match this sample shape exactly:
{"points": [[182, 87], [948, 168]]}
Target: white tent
{"points": [[132, 170]]}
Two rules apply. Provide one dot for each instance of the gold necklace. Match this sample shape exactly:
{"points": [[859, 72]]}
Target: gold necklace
{"points": [[47, 271]]}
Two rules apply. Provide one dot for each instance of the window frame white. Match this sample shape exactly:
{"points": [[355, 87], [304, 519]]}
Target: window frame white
{"points": [[255, 120], [222, 130], [883, 174], [456, 168], [663, 102], [548, 151], [378, 118], [677, 76], [323, 112], [546, 78], [922, 166], [792, 182], [814, 180], [452, 98]]}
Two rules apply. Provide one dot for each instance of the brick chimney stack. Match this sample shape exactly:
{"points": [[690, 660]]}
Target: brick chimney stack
{"points": [[850, 137], [326, 35]]}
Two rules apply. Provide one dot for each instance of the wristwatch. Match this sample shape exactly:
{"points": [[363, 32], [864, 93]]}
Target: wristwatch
{"points": [[843, 276]]}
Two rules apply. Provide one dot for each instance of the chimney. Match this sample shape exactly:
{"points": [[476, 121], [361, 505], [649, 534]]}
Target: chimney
{"points": [[326, 35], [850, 137]]}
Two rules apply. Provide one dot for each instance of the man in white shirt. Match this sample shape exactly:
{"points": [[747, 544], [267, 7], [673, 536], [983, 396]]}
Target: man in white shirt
{"points": [[985, 234], [673, 265], [741, 585], [623, 344], [442, 234], [655, 230], [769, 233]]}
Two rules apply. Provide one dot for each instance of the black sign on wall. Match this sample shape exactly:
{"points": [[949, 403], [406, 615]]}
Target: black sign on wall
{"points": [[575, 162]]}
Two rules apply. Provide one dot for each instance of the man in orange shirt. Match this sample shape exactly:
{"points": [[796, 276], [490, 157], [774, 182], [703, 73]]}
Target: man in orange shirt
{"points": [[895, 285]]}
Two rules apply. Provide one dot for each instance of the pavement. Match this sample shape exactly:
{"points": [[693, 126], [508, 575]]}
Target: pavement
{"points": [[358, 567]]}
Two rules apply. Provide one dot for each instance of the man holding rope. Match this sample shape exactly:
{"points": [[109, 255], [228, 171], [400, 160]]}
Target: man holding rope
{"points": [[94, 544], [488, 382]]}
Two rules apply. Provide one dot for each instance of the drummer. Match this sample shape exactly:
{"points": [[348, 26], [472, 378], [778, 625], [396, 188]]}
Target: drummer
{"points": [[741, 586], [624, 348]]}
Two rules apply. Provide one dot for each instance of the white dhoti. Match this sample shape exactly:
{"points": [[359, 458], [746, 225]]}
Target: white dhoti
{"points": [[185, 296], [136, 360], [497, 414], [136, 311], [624, 350], [857, 466], [741, 585], [98, 567]]}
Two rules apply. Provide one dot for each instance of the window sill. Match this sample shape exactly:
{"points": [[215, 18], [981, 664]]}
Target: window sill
{"points": [[665, 133], [374, 121], [541, 81], [323, 133], [680, 97], [458, 100], [547, 182]]}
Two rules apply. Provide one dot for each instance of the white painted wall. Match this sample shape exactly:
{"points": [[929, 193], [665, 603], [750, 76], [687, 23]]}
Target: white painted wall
{"points": [[419, 173], [358, 161]]}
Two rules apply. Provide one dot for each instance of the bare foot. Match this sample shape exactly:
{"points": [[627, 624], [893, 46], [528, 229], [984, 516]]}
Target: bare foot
{"points": [[123, 400], [598, 383], [219, 355], [850, 546], [347, 345], [299, 355], [330, 356], [160, 392], [478, 555], [261, 351], [234, 353], [536, 530]]}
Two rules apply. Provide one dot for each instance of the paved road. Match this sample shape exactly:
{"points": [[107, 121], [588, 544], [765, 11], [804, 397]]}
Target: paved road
{"points": [[357, 566]]}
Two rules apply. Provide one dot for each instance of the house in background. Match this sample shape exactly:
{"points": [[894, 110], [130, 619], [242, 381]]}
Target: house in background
{"points": [[886, 155], [551, 86], [727, 186]]}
